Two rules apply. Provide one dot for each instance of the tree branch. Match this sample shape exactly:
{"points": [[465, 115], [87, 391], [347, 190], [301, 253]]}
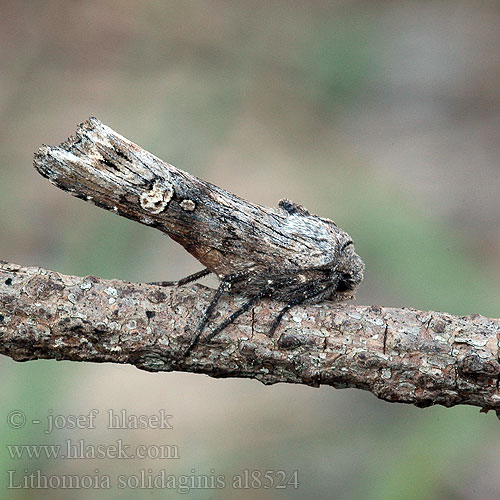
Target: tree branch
{"points": [[400, 355]]}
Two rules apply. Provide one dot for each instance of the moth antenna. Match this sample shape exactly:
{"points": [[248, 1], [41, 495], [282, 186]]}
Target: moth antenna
{"points": [[183, 281]]}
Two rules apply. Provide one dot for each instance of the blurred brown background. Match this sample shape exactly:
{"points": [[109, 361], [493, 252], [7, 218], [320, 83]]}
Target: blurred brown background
{"points": [[384, 116]]}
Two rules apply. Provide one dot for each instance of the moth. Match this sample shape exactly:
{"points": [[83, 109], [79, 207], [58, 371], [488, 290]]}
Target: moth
{"points": [[284, 253]]}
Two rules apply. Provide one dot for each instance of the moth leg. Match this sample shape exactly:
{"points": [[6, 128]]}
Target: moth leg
{"points": [[280, 315], [223, 287], [308, 293], [245, 307], [183, 281]]}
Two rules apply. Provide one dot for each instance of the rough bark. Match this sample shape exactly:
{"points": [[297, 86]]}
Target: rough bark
{"points": [[400, 355]]}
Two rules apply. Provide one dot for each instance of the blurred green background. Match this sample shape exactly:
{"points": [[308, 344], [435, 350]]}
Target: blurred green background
{"points": [[382, 115]]}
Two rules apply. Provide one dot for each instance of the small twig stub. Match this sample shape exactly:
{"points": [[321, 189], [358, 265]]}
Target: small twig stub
{"points": [[285, 253]]}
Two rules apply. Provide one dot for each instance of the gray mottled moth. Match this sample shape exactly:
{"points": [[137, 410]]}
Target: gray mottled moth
{"points": [[284, 253]]}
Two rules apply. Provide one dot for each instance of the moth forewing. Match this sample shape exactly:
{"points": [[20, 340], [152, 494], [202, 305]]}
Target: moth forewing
{"points": [[284, 253]]}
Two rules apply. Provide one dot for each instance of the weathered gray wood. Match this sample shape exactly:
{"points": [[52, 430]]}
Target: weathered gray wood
{"points": [[224, 232], [400, 355]]}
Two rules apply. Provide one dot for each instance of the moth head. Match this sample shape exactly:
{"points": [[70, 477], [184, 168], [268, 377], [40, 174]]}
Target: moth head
{"points": [[346, 270]]}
